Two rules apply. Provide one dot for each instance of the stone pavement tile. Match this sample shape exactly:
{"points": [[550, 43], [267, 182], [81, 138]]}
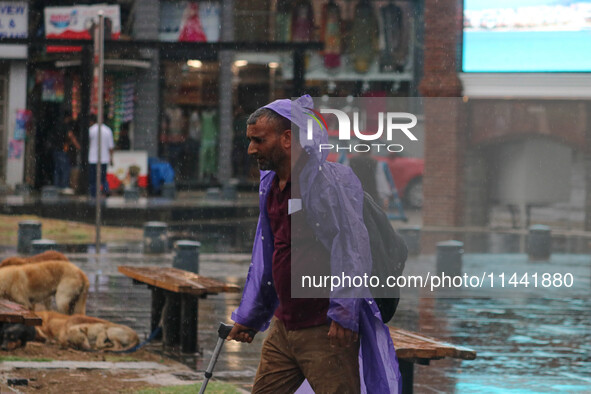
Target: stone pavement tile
{"points": [[137, 365]]}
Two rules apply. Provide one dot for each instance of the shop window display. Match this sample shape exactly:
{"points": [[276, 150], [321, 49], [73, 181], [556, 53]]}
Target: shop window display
{"points": [[189, 21], [362, 39], [348, 65], [189, 127]]}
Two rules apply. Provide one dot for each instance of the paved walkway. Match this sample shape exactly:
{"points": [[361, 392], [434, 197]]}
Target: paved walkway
{"points": [[527, 343], [137, 365]]}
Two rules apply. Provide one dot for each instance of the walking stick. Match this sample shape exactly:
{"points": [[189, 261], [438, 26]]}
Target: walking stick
{"points": [[223, 331]]}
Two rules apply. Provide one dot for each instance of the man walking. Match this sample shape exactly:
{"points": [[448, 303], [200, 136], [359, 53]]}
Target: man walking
{"points": [[106, 147], [316, 205]]}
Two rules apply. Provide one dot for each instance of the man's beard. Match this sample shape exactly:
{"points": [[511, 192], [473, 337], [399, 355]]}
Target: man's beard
{"points": [[265, 165], [271, 162]]}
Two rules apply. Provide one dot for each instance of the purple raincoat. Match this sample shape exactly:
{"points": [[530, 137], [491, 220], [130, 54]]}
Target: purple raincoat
{"points": [[333, 196]]}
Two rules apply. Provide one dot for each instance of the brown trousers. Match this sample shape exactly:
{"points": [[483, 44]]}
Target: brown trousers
{"points": [[289, 357]]}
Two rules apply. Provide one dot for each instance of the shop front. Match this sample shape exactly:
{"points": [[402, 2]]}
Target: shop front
{"points": [[181, 80], [62, 93], [369, 49]]}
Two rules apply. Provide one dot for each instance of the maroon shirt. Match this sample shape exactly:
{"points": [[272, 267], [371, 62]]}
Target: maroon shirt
{"points": [[310, 255]]}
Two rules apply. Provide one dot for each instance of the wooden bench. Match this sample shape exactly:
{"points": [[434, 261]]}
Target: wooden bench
{"points": [[11, 312], [175, 295], [414, 348]]}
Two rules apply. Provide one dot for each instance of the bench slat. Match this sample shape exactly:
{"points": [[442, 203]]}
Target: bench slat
{"points": [[176, 280], [410, 345], [11, 312]]}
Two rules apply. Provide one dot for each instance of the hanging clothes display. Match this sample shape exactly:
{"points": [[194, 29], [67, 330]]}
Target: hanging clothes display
{"points": [[302, 22], [52, 85], [193, 145], [283, 21], [331, 34], [191, 29], [76, 97], [208, 153], [174, 117], [362, 48], [175, 122], [124, 103], [210, 20], [119, 99], [109, 95], [393, 38], [195, 126]]}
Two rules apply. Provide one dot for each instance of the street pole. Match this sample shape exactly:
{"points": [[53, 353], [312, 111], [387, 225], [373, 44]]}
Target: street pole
{"points": [[99, 68], [226, 92]]}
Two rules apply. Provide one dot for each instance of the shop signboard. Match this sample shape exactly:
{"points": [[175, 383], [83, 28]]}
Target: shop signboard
{"points": [[77, 23], [13, 19], [510, 36], [129, 169]]}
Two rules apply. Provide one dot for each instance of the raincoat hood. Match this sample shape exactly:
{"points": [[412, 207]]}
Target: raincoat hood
{"points": [[301, 113]]}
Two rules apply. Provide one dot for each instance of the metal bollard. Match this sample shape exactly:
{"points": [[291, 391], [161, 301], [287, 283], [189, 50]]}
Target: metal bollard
{"points": [[5, 190], [169, 190], [213, 193], [186, 255], [49, 194], [42, 245], [131, 194], [28, 230], [22, 189], [229, 190], [412, 237], [539, 242], [155, 237], [449, 257]]}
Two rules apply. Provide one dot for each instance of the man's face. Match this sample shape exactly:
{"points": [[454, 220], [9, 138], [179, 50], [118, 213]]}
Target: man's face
{"points": [[266, 145]]}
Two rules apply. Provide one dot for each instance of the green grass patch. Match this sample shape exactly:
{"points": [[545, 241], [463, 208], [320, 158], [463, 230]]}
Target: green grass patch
{"points": [[212, 387], [63, 231], [16, 358], [122, 359]]}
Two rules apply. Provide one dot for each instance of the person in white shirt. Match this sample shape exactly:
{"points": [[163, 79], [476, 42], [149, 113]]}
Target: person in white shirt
{"points": [[107, 146]]}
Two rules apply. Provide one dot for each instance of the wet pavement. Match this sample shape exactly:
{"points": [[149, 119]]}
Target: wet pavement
{"points": [[529, 343]]}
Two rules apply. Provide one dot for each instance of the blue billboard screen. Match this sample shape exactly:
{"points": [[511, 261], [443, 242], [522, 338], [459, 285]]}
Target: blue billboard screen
{"points": [[527, 36]]}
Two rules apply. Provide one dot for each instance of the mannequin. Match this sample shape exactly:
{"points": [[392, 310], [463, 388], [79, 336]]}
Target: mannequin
{"points": [[331, 35], [363, 37], [393, 39]]}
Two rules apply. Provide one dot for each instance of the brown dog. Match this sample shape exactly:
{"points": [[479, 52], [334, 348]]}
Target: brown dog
{"points": [[85, 332], [48, 255], [52, 324], [29, 284]]}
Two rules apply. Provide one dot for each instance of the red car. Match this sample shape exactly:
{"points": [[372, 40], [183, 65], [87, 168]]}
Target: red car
{"points": [[406, 171]]}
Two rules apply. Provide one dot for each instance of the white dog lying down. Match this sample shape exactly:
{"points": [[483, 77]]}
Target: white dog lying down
{"points": [[85, 332]]}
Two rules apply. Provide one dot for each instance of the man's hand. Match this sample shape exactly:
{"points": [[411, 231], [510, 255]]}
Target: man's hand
{"points": [[241, 333], [340, 336]]}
